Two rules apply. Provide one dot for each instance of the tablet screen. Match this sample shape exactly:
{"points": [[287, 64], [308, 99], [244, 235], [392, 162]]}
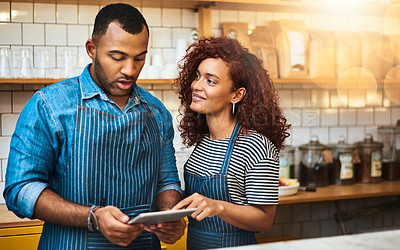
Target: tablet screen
{"points": [[152, 218]]}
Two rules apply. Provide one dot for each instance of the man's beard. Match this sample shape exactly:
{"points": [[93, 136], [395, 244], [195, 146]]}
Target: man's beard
{"points": [[104, 83]]}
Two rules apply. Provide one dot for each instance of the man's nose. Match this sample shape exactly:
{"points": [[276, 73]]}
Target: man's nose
{"points": [[129, 68]]}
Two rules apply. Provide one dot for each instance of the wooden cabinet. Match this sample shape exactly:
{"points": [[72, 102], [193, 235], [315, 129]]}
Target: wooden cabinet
{"points": [[16, 233], [26, 238]]}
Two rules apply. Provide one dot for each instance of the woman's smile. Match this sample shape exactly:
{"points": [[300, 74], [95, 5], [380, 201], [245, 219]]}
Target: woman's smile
{"points": [[197, 98]]}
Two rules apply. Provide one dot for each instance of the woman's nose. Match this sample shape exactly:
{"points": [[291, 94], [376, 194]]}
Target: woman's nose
{"points": [[197, 84]]}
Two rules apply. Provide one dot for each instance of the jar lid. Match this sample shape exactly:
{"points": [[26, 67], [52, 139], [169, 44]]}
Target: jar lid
{"points": [[288, 149], [313, 144], [393, 129], [369, 142], [342, 144]]}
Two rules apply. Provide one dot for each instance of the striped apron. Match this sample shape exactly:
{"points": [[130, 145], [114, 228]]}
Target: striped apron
{"points": [[214, 232], [114, 162]]}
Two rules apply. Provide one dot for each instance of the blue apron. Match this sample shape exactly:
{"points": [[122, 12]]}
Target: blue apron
{"points": [[214, 232], [114, 162]]}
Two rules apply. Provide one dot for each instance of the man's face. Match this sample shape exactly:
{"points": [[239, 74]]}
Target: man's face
{"points": [[118, 57]]}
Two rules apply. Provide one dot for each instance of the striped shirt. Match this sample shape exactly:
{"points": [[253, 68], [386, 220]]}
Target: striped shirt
{"points": [[253, 173]]}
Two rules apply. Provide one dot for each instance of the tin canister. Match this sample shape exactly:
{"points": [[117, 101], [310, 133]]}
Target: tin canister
{"points": [[370, 168]]}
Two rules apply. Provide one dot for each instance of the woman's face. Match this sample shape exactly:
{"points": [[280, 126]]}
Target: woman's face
{"points": [[211, 89]]}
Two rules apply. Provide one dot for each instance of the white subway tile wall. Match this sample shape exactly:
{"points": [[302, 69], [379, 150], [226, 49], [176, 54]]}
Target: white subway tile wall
{"points": [[33, 34], [56, 34], [161, 37], [19, 100], [171, 18], [310, 109], [5, 102], [355, 134], [329, 117], [153, 16], [4, 146], [335, 132], [2, 184], [44, 13], [87, 13], [77, 35], [3, 169], [5, 12], [322, 133], [13, 31], [285, 98], [382, 116], [365, 116], [190, 18], [21, 12], [67, 13], [347, 116], [8, 122]]}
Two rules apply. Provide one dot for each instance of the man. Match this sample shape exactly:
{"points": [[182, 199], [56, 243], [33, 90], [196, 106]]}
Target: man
{"points": [[90, 151]]}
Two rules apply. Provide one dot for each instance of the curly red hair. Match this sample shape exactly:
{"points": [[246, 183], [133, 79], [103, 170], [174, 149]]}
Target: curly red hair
{"points": [[258, 110]]}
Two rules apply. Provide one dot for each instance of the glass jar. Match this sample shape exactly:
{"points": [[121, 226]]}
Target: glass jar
{"points": [[286, 162], [370, 168], [342, 171], [390, 137], [315, 162]]}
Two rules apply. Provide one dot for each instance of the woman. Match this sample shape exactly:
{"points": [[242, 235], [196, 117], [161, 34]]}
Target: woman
{"points": [[231, 114]]}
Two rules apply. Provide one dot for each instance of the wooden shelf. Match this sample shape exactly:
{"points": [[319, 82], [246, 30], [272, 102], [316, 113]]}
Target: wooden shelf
{"points": [[344, 192]]}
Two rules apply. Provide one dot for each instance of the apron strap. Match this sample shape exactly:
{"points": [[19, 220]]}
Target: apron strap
{"points": [[228, 154]]}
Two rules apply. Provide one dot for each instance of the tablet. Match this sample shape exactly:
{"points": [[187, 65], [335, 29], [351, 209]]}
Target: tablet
{"points": [[152, 218]]}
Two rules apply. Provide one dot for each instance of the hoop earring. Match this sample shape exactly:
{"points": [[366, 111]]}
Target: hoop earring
{"points": [[233, 108]]}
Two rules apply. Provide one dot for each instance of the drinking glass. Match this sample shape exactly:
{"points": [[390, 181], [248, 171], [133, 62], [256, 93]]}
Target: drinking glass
{"points": [[5, 69]]}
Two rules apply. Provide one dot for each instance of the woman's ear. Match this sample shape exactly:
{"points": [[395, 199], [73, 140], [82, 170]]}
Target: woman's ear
{"points": [[239, 95]]}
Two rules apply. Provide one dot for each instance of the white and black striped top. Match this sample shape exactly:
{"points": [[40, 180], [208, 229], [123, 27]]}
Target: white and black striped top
{"points": [[253, 173]]}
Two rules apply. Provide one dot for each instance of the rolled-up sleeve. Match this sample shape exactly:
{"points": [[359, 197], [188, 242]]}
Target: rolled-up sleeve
{"points": [[168, 175], [33, 152]]}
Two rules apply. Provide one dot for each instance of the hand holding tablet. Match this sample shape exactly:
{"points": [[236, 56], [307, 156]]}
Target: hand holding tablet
{"points": [[152, 218]]}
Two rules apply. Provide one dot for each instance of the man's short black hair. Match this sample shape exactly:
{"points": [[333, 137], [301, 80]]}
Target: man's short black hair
{"points": [[128, 17]]}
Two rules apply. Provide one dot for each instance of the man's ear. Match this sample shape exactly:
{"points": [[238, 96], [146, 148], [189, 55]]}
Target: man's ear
{"points": [[239, 95], [91, 48]]}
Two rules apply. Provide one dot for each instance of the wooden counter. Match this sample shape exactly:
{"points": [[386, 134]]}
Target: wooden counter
{"points": [[344, 192], [329, 193], [9, 219]]}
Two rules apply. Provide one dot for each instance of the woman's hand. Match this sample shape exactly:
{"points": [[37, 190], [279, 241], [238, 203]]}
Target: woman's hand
{"points": [[206, 207]]}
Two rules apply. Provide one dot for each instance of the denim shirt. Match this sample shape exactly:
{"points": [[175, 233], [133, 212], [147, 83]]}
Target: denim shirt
{"points": [[43, 138]]}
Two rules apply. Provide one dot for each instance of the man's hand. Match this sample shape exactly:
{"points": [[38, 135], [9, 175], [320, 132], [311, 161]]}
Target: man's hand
{"points": [[168, 232], [112, 224]]}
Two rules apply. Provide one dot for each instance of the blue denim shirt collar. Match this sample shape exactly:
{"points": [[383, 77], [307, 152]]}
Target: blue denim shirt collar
{"points": [[89, 89]]}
